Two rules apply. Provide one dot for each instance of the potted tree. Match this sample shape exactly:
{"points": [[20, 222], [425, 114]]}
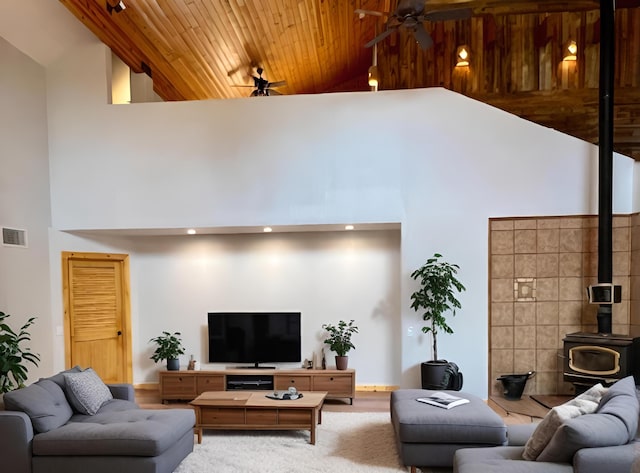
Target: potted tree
{"points": [[168, 347], [339, 341], [13, 357], [436, 297]]}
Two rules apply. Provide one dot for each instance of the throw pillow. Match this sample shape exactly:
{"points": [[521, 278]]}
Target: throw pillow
{"points": [[585, 403], [614, 423], [86, 391], [621, 401], [44, 403]]}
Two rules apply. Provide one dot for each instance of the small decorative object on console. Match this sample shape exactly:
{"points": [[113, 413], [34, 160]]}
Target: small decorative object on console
{"points": [[290, 395], [444, 400]]}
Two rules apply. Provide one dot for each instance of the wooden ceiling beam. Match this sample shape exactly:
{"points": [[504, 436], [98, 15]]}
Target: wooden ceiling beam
{"points": [[515, 7], [575, 112]]}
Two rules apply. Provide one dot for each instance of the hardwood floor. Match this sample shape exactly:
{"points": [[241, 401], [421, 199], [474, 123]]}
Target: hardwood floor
{"points": [[513, 412]]}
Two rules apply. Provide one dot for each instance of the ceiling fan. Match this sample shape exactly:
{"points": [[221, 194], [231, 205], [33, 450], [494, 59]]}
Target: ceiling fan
{"points": [[411, 14], [262, 86]]}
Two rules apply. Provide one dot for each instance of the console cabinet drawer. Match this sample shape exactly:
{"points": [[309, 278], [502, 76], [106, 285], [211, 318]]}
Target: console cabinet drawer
{"points": [[333, 384], [284, 382], [209, 383], [178, 385]]}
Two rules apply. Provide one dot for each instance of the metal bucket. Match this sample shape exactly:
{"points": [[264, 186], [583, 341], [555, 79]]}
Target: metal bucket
{"points": [[514, 384]]}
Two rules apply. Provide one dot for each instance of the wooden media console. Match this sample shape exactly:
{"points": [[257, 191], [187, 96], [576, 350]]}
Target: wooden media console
{"points": [[189, 384]]}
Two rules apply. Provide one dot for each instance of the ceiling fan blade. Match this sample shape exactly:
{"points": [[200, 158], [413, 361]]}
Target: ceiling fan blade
{"points": [[272, 92], [279, 83], [422, 37], [444, 15], [360, 11], [252, 86], [380, 37]]}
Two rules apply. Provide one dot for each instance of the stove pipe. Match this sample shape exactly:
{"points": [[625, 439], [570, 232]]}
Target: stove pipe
{"points": [[605, 161]]}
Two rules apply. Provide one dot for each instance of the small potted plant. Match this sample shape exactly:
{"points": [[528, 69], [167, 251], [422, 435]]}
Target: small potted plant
{"points": [[436, 297], [13, 357], [168, 347], [339, 341]]}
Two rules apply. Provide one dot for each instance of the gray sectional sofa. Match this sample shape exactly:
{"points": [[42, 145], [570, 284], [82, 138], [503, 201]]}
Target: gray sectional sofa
{"points": [[605, 441], [50, 427]]}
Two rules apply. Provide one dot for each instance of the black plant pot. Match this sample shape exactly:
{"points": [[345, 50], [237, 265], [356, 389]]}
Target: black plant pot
{"points": [[173, 364], [433, 373]]}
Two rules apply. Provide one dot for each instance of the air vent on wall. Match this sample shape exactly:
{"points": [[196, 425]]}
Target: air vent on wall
{"points": [[14, 237]]}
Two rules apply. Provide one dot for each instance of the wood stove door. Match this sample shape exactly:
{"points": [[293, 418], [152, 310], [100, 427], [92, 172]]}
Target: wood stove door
{"points": [[594, 360]]}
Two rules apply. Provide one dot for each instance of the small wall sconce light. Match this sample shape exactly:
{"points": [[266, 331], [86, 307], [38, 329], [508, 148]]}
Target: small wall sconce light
{"points": [[570, 51], [117, 8], [373, 76], [462, 56]]}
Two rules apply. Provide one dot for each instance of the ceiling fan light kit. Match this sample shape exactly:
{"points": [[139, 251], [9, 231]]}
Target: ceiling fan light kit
{"points": [[373, 76], [263, 88]]}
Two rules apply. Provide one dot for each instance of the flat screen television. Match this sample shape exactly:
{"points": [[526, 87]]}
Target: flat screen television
{"points": [[254, 337]]}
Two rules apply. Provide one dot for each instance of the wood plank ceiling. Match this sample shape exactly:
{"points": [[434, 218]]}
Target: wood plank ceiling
{"points": [[204, 49]]}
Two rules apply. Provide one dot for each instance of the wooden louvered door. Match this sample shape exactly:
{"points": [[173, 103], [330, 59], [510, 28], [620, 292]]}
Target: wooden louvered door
{"points": [[96, 314]]}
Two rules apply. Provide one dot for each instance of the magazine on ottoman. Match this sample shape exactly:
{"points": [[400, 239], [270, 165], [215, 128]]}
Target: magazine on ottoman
{"points": [[444, 400]]}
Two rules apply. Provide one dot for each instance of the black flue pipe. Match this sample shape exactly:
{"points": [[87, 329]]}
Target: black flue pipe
{"points": [[605, 161]]}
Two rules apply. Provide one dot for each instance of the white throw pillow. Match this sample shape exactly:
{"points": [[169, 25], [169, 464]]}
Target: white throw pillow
{"points": [[86, 391], [585, 403]]}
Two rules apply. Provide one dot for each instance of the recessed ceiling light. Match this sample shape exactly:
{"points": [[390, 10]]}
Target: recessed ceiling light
{"points": [[191, 231], [267, 229], [348, 227]]}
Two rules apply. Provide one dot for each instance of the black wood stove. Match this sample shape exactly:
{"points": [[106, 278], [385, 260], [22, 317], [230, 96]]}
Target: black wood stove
{"points": [[591, 358]]}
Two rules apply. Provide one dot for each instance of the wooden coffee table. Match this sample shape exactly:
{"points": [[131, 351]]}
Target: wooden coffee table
{"points": [[252, 410]]}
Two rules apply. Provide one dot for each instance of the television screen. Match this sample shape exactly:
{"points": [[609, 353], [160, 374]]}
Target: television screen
{"points": [[254, 337]]}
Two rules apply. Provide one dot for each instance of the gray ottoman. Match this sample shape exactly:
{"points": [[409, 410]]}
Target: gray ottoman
{"points": [[429, 436]]}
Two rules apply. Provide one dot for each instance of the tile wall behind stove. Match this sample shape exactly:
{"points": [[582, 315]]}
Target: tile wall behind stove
{"points": [[539, 268]]}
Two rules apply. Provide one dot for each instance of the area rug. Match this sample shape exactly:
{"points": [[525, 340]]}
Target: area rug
{"points": [[351, 442]]}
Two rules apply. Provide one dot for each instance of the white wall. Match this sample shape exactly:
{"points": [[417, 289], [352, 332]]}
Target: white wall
{"points": [[437, 162], [327, 276], [24, 199]]}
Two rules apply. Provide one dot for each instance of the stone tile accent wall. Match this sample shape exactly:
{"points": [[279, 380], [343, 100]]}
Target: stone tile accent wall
{"points": [[539, 268]]}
